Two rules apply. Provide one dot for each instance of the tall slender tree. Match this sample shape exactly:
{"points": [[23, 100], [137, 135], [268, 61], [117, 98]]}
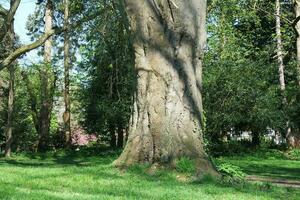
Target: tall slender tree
{"points": [[67, 113], [279, 47], [45, 73], [10, 107], [297, 27]]}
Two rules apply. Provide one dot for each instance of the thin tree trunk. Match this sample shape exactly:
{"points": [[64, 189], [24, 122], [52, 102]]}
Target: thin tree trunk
{"points": [[9, 128], [293, 138], [281, 67], [44, 118], [113, 138], [255, 138], [120, 142], [67, 113], [297, 26], [167, 119], [279, 47], [48, 28]]}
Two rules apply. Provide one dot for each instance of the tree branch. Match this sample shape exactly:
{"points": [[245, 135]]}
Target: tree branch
{"points": [[9, 18], [294, 24], [24, 49], [3, 12]]}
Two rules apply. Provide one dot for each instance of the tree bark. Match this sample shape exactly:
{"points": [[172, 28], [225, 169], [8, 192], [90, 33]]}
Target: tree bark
{"points": [[9, 18], [67, 113], [9, 128], [169, 37], [297, 27], [113, 138], [120, 142], [279, 47], [293, 138], [281, 66], [45, 73], [10, 107]]}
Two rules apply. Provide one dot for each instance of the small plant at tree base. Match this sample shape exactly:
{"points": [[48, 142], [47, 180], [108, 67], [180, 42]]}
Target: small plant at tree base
{"points": [[294, 154], [185, 165], [231, 174]]}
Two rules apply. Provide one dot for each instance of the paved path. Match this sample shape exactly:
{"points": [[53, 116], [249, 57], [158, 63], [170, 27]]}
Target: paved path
{"points": [[278, 182]]}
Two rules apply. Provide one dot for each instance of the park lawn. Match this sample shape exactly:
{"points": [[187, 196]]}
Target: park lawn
{"points": [[271, 165], [83, 176]]}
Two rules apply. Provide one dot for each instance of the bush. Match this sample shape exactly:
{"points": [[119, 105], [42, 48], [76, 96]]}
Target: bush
{"points": [[231, 173], [230, 148]]}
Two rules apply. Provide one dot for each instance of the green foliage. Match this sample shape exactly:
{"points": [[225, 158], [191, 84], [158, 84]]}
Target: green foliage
{"points": [[231, 173], [241, 88], [185, 165], [230, 148], [293, 154], [108, 85]]}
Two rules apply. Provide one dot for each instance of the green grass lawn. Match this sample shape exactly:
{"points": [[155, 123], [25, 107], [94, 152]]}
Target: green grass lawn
{"points": [[268, 164], [82, 176]]}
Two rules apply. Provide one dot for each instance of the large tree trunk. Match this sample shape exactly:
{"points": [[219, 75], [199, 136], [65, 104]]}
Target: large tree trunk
{"points": [[45, 73], [67, 113], [166, 124]]}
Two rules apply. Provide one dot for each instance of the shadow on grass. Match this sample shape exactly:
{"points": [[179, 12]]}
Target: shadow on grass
{"points": [[84, 158], [95, 168], [280, 172]]}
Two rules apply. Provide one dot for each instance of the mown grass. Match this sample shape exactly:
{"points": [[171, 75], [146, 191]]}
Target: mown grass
{"points": [[273, 164], [84, 176]]}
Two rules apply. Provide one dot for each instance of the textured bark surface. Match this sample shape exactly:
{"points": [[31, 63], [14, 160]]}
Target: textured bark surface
{"points": [[294, 140], [45, 74], [297, 26], [11, 94], [67, 113], [279, 47], [169, 37], [9, 128]]}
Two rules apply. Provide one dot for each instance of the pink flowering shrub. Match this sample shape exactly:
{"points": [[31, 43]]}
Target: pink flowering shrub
{"points": [[80, 138]]}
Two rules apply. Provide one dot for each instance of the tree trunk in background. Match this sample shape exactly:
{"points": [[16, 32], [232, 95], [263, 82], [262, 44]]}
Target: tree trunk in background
{"points": [[279, 47], [297, 26], [9, 128], [120, 141], [67, 113], [45, 72], [168, 114], [294, 137], [255, 138], [113, 139], [10, 107], [280, 62]]}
